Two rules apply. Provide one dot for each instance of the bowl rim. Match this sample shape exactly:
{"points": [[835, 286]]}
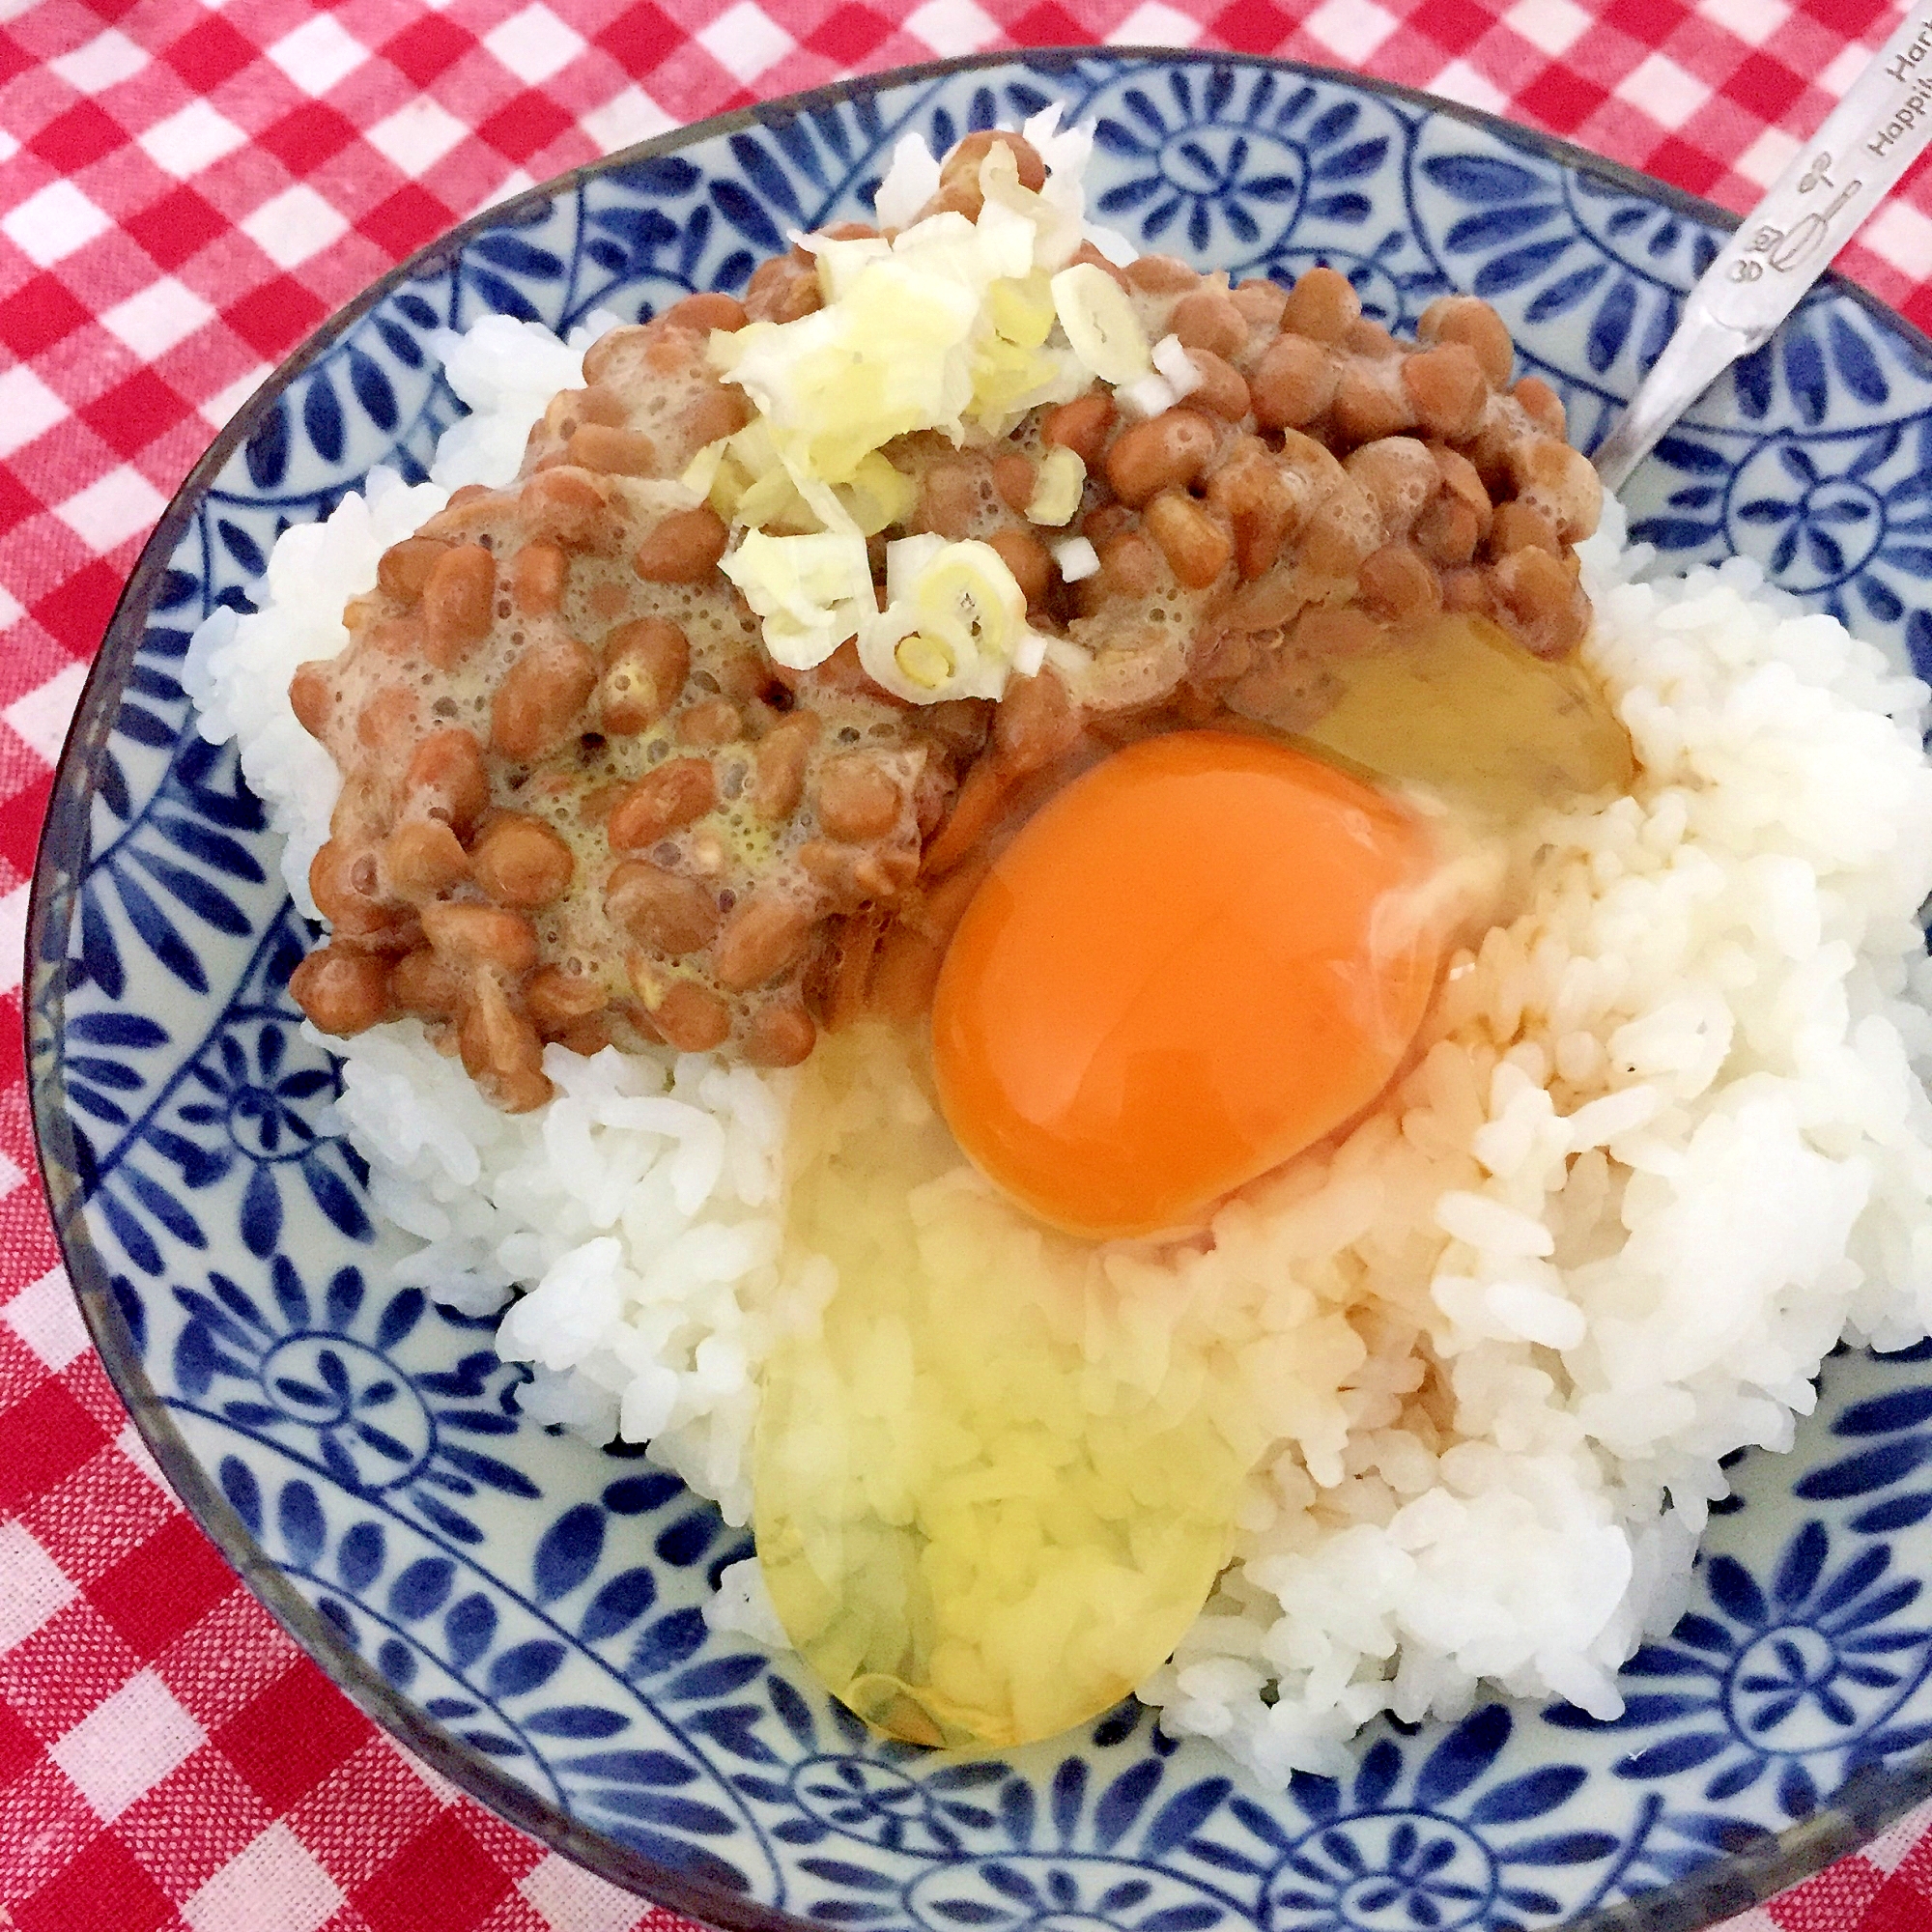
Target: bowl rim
{"points": [[1856, 1811]]}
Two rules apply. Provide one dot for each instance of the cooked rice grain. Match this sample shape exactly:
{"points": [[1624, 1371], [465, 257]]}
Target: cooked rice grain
{"points": [[1668, 1140]]}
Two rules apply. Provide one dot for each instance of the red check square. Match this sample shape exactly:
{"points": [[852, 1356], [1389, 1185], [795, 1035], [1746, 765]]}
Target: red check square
{"points": [[530, 121], [1455, 24], [1648, 22], [39, 314], [179, 225], [1252, 27], [1765, 86], [288, 1737], [311, 135], [443, 1881], [210, 53], [400, 225], [431, 47], [76, 613], [132, 414], [276, 316], [170, 1582], [1045, 26], [1561, 99], [1853, 19], [1691, 166], [18, 1746], [83, 134], [104, 1889], [639, 38], [1899, 1906], [848, 34], [43, 1437]]}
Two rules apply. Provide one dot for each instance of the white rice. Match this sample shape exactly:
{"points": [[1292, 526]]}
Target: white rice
{"points": [[1669, 1144]]}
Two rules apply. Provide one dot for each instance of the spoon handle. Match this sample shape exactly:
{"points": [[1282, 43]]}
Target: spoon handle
{"points": [[1788, 240]]}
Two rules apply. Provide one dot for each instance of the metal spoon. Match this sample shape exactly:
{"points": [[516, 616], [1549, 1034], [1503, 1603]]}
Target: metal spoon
{"points": [[1788, 240]]}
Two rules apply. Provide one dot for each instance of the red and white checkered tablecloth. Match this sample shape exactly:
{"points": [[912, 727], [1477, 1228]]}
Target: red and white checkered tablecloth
{"points": [[186, 188]]}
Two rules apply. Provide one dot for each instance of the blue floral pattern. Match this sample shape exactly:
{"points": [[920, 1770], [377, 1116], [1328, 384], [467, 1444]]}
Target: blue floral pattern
{"points": [[1798, 1680], [1844, 520], [1263, 173], [528, 1611], [1386, 1851]]}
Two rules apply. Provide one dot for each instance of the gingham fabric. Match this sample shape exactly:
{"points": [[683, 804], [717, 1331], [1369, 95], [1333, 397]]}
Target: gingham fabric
{"points": [[185, 189]]}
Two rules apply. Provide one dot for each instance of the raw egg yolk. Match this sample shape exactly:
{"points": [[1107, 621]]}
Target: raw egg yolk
{"points": [[1195, 961]]}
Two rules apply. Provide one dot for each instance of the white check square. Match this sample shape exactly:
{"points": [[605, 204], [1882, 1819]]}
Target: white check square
{"points": [[104, 60], [513, 184], [1551, 26], [133, 1446], [37, 1586], [128, 1745], [534, 44], [319, 53], [45, 1314], [1664, 91], [627, 116], [744, 40], [217, 409], [294, 226], [119, 505], [1753, 21], [1844, 67], [190, 140], [28, 407], [274, 1884], [1350, 28], [416, 136], [1767, 158], [1903, 236], [1892, 1847], [165, 313], [1153, 25], [39, 716], [49, 226], [1460, 81], [950, 27], [570, 1899]]}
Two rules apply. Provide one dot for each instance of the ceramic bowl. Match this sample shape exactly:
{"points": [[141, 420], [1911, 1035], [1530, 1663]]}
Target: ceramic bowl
{"points": [[524, 1610]]}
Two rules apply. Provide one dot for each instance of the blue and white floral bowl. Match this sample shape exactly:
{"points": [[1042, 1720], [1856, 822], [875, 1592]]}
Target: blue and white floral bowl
{"points": [[524, 1610]]}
